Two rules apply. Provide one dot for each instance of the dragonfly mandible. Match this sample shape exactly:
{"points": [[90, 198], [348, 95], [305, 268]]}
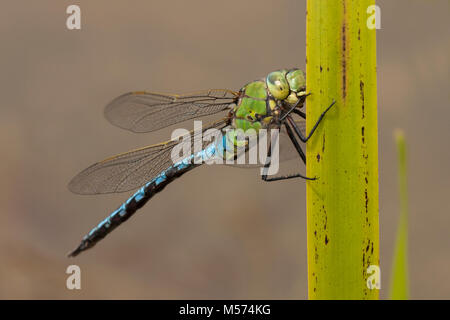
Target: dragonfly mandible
{"points": [[270, 102]]}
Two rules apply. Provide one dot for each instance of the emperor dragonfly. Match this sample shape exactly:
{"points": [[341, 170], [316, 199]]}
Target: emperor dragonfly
{"points": [[267, 103]]}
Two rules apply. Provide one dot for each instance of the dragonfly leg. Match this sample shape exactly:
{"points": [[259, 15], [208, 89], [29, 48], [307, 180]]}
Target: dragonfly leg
{"points": [[293, 108], [300, 152], [300, 113], [290, 110], [295, 142], [286, 177], [298, 131]]}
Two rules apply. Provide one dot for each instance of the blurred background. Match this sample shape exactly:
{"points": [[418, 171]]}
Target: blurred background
{"points": [[217, 232]]}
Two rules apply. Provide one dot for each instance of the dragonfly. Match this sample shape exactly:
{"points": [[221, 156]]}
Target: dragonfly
{"points": [[272, 102]]}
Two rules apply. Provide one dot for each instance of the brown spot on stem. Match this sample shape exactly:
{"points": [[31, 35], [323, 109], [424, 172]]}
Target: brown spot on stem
{"points": [[367, 201], [323, 143], [361, 91], [344, 53], [362, 134]]}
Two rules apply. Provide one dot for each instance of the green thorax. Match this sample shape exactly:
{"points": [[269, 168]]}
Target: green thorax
{"points": [[251, 111], [261, 102]]}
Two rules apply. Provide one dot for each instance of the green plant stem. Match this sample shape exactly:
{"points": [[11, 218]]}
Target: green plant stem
{"points": [[342, 205], [399, 280]]}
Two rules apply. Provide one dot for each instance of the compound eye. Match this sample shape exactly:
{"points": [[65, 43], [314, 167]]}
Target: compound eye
{"points": [[297, 80], [278, 85]]}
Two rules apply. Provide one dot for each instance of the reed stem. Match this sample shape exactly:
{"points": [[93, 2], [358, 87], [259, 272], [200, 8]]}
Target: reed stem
{"points": [[342, 205]]}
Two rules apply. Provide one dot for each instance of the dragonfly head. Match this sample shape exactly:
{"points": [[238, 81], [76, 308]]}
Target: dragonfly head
{"points": [[288, 85]]}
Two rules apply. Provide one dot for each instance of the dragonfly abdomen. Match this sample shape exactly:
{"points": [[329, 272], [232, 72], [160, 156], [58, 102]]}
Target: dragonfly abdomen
{"points": [[135, 202]]}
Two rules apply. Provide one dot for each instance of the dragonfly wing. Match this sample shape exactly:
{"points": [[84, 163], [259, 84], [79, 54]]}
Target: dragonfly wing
{"points": [[149, 111], [130, 170]]}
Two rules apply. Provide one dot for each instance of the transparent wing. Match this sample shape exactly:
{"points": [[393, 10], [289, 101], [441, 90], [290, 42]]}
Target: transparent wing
{"points": [[130, 170], [149, 111]]}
